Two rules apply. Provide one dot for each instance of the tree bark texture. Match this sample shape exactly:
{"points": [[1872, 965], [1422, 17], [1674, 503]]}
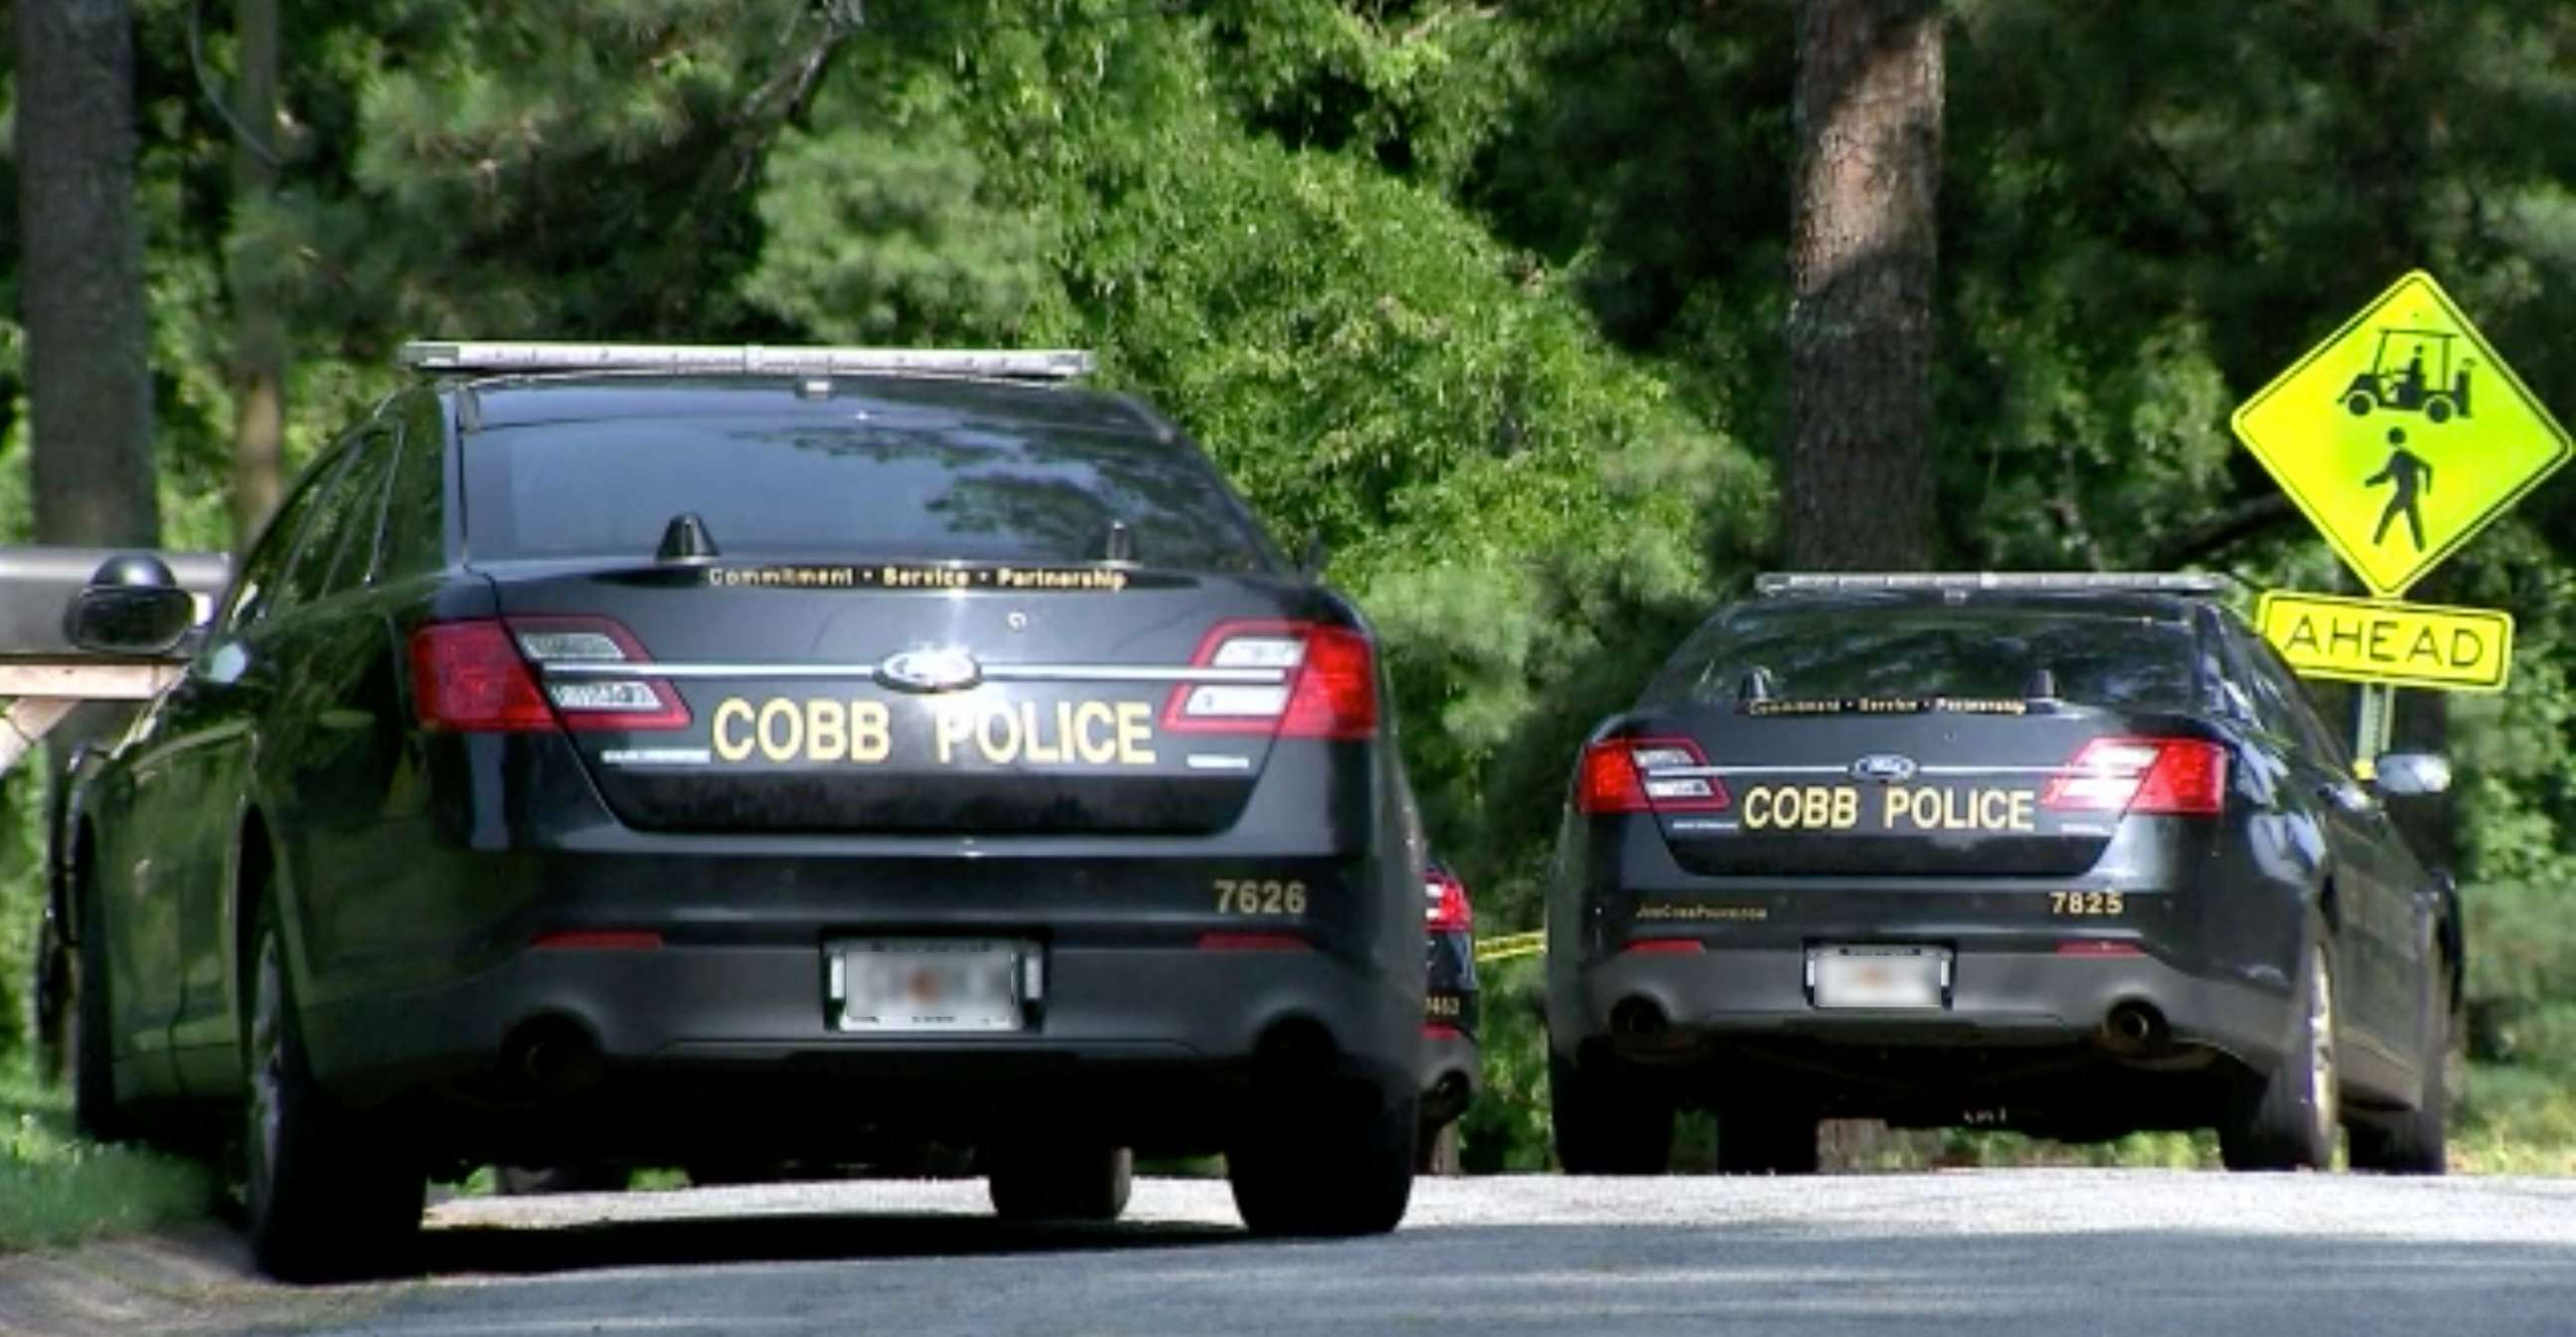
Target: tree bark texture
{"points": [[259, 336], [1863, 244], [82, 298]]}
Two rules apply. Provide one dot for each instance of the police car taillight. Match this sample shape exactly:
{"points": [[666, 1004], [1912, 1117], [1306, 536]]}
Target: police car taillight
{"points": [[2161, 776], [1636, 775], [1445, 908], [468, 677], [1292, 679], [474, 677]]}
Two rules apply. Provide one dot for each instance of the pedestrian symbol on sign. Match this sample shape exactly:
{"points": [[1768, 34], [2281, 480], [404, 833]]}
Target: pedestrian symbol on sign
{"points": [[2407, 474]]}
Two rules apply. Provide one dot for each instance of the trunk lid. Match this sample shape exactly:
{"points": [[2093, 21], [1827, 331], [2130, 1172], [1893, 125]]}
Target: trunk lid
{"points": [[922, 697], [1901, 789]]}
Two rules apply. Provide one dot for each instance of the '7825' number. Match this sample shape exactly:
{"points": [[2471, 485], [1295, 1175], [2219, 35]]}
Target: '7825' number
{"points": [[1251, 896], [2088, 903]]}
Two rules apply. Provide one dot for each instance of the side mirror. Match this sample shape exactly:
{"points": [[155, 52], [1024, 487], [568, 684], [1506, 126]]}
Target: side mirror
{"points": [[132, 608], [2413, 775]]}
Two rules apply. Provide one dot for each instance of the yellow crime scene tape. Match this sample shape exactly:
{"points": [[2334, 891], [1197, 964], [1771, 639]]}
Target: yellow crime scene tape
{"points": [[1510, 946]]}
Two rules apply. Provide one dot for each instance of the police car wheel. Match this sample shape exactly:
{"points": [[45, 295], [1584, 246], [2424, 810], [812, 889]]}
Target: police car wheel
{"points": [[321, 1207], [2289, 1124], [1766, 1142], [1060, 1183], [2416, 1142], [1607, 1122], [87, 1041], [1332, 1167]]}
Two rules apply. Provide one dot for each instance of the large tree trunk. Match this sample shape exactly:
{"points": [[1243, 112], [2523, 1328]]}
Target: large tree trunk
{"points": [[1862, 246], [89, 372], [259, 337]]}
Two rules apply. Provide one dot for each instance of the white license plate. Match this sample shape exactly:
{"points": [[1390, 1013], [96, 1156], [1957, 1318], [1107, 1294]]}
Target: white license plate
{"points": [[1879, 976], [930, 984]]}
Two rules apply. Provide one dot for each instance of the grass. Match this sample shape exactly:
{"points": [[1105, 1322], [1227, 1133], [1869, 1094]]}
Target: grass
{"points": [[57, 1187]]}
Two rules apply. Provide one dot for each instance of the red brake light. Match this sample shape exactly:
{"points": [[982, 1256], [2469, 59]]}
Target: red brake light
{"points": [[1628, 775], [1609, 780], [1330, 692], [1336, 692], [1446, 909], [468, 677], [2164, 776]]}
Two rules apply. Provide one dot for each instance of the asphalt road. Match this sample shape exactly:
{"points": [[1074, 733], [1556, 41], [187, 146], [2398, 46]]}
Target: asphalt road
{"points": [[1995, 1253]]}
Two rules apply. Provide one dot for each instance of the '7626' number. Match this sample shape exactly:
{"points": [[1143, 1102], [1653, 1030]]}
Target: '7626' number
{"points": [[1253, 896]]}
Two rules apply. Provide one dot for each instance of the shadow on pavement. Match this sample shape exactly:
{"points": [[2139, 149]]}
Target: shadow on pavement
{"points": [[780, 1238]]}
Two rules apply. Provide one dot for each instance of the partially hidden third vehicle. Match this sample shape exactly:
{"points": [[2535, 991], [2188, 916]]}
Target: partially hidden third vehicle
{"points": [[1452, 1063], [668, 755], [2067, 854]]}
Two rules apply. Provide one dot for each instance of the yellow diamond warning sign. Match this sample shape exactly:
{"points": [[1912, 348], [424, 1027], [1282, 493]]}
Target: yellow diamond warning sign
{"points": [[2398, 644], [2402, 435]]}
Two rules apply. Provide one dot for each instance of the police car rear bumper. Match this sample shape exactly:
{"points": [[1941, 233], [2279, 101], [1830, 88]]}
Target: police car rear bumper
{"points": [[1667, 1003], [1116, 1034]]}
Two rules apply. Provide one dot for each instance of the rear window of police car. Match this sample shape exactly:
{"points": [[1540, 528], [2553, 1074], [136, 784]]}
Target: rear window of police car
{"points": [[1857, 650], [977, 489]]}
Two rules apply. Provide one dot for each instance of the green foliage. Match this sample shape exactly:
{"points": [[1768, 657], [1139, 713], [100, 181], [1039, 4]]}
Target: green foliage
{"points": [[57, 1188], [906, 245], [1506, 1130]]}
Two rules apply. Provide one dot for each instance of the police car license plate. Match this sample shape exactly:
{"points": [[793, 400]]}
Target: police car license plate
{"points": [[930, 984], [1881, 977]]}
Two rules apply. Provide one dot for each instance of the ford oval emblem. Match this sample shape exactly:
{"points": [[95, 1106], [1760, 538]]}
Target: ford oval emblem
{"points": [[1887, 768], [948, 670]]}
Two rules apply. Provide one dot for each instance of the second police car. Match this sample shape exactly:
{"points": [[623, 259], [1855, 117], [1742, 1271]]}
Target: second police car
{"points": [[2073, 855], [663, 754]]}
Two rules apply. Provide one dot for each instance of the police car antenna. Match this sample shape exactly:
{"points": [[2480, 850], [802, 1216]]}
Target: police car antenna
{"points": [[467, 355]]}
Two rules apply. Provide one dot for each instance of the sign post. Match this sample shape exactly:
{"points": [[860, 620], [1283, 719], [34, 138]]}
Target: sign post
{"points": [[2400, 437]]}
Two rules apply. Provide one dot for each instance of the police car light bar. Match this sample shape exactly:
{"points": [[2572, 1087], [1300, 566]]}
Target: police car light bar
{"points": [[2147, 582], [1051, 364]]}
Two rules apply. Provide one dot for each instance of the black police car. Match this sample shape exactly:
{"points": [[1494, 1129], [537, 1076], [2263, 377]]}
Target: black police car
{"points": [[2073, 855], [1452, 1065], [667, 754]]}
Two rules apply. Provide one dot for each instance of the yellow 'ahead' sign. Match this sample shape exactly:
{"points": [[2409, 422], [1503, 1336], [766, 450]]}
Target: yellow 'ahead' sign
{"points": [[2402, 435], [2403, 645]]}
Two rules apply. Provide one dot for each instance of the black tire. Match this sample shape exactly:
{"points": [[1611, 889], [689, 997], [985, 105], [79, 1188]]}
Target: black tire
{"points": [[1435, 1151], [2437, 409], [325, 1200], [2359, 403], [1607, 1123], [2290, 1122], [1333, 1167], [1067, 1183], [90, 1032], [1766, 1142], [528, 1181], [2417, 1142]]}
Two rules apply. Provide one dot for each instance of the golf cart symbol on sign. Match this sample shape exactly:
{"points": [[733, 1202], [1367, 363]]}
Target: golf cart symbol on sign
{"points": [[2400, 378]]}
